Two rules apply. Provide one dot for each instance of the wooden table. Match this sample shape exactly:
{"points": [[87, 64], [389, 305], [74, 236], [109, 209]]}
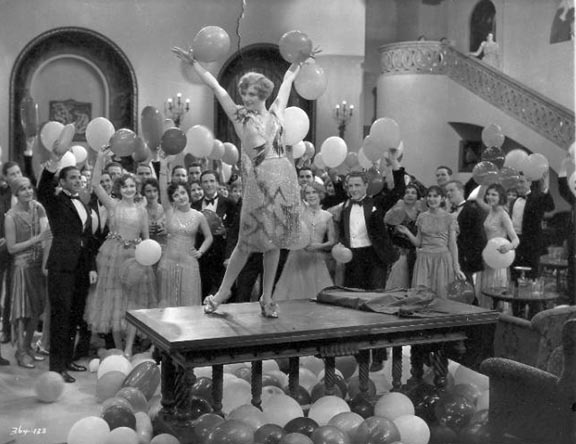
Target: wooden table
{"points": [[188, 338], [522, 306], [557, 265]]}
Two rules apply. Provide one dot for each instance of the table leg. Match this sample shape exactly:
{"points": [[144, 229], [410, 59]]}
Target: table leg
{"points": [[184, 380], [168, 385], [363, 358], [257, 384], [440, 366], [396, 368], [217, 388], [329, 374], [417, 359], [293, 375]]}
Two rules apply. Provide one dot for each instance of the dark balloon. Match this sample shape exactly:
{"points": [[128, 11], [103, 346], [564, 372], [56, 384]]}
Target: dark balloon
{"points": [[441, 434], [477, 431], [198, 406], [231, 432], [330, 435], [455, 411], [425, 398], [146, 377], [305, 426], [301, 396], [319, 391], [495, 155], [362, 406], [204, 425], [173, 141], [152, 126], [377, 430], [271, 380], [354, 387], [341, 383], [269, 434], [202, 388], [119, 416]]}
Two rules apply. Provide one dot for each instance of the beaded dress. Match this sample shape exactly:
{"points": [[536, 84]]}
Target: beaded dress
{"points": [[434, 267], [178, 271], [305, 273], [123, 284], [271, 204]]}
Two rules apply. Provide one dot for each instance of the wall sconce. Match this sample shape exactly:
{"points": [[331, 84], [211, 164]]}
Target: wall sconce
{"points": [[343, 113], [175, 108]]}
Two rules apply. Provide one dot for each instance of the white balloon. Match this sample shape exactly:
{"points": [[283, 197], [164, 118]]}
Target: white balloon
{"points": [[50, 134], [334, 151], [296, 125], [148, 252], [298, 150], [79, 152], [493, 257], [363, 160], [67, 160]]}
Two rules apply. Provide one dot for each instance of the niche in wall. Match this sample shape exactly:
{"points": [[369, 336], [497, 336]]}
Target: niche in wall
{"points": [[482, 22], [77, 64]]}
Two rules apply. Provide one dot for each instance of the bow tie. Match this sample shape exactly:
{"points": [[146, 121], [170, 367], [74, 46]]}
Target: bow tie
{"points": [[209, 201], [358, 202], [73, 196]]}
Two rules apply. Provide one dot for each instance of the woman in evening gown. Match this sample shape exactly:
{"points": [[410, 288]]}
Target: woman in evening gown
{"points": [[305, 273], [437, 253], [270, 217], [178, 271], [26, 227], [497, 224], [123, 284], [490, 51]]}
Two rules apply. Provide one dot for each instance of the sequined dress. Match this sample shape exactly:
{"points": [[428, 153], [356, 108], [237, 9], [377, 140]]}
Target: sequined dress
{"points": [[495, 225], [271, 211], [123, 284], [305, 272], [434, 267], [178, 271], [28, 282]]}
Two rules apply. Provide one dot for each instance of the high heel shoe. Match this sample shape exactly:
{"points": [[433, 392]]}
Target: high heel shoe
{"points": [[210, 304], [24, 360], [269, 309], [41, 350]]}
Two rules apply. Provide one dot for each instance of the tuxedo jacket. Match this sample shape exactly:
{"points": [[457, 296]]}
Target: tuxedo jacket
{"points": [[226, 209], [537, 203], [72, 241], [471, 238]]}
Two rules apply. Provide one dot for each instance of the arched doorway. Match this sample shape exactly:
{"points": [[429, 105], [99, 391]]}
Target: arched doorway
{"points": [[265, 59], [84, 47], [482, 22]]}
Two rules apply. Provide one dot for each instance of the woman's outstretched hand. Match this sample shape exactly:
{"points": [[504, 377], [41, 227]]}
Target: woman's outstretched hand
{"points": [[184, 55]]}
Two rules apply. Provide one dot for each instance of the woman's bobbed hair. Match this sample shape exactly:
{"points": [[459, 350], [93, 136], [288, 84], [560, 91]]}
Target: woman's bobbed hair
{"points": [[263, 84]]}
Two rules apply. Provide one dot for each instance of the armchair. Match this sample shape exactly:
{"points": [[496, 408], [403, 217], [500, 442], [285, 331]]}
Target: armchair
{"points": [[531, 405]]}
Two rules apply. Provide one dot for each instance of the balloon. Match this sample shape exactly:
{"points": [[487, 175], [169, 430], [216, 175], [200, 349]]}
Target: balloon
{"points": [[318, 162], [173, 141], [392, 405], [50, 133], [362, 406], [226, 171], [248, 414], [495, 155], [123, 142], [492, 136], [310, 151], [301, 395], [231, 155], [141, 152], [114, 363], [307, 378], [217, 150], [280, 409], [385, 132], [67, 160], [29, 115], [279, 376], [143, 427], [508, 177], [93, 365], [469, 391], [197, 406], [319, 391], [413, 430], [295, 438], [115, 400], [295, 45], [377, 429], [167, 124], [461, 290], [536, 166], [375, 182], [493, 258], [330, 435], [296, 125], [269, 434], [98, 133], [363, 161], [210, 44], [200, 141], [326, 407], [334, 151], [119, 416], [465, 375], [482, 170], [165, 438], [80, 153], [146, 377], [347, 365], [483, 401], [236, 393], [441, 434], [305, 426], [424, 397], [89, 430], [371, 149], [298, 150], [312, 363], [516, 159], [122, 435], [108, 385], [271, 390], [135, 397], [311, 81], [231, 431], [148, 252], [65, 139], [341, 254], [351, 159], [49, 386], [152, 126], [454, 411], [347, 422], [202, 426]]}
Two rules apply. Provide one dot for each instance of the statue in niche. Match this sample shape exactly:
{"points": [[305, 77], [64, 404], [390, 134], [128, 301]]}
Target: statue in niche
{"points": [[490, 51]]}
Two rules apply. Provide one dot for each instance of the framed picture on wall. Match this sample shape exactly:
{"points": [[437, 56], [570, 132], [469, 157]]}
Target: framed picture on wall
{"points": [[71, 111], [470, 155]]}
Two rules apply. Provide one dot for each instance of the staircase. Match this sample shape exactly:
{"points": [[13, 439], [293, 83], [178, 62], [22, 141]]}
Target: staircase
{"points": [[546, 117]]}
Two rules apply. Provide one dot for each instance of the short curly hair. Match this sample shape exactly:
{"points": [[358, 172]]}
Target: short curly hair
{"points": [[263, 84]]}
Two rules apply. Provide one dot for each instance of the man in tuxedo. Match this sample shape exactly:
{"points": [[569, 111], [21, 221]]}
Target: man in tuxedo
{"points": [[212, 262], [71, 266], [527, 214], [471, 238]]}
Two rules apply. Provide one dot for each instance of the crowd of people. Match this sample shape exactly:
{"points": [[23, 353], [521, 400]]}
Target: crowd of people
{"points": [[67, 249]]}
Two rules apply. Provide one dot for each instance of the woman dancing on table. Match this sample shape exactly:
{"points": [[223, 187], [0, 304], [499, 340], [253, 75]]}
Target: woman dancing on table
{"points": [[271, 208]]}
